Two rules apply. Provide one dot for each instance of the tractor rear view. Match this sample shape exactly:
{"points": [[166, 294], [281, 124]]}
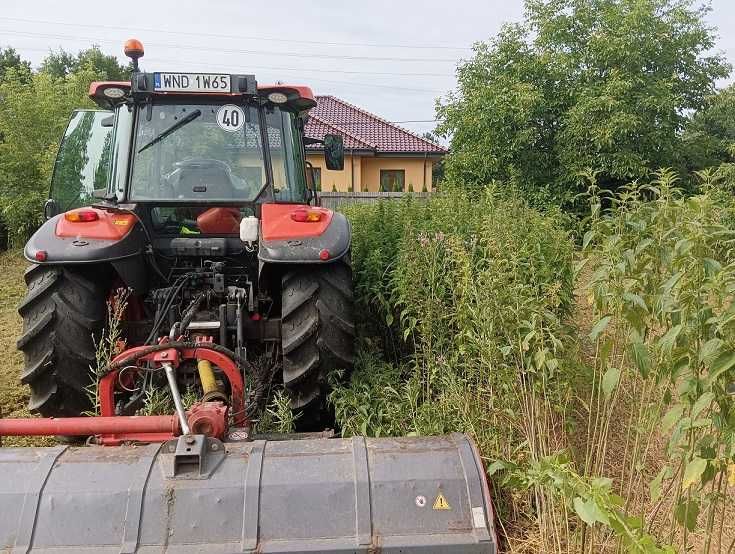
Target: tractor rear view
{"points": [[184, 207]]}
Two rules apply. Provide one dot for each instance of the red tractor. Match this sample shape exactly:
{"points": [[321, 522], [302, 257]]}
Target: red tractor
{"points": [[192, 192], [189, 196]]}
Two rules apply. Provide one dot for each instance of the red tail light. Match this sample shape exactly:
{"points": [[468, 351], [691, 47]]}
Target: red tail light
{"points": [[303, 215], [81, 216]]}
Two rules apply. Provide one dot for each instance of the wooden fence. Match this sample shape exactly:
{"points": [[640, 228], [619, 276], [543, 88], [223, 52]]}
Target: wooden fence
{"points": [[335, 200]]}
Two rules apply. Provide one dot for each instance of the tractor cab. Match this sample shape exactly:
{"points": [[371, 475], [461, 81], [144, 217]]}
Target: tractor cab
{"points": [[180, 144]]}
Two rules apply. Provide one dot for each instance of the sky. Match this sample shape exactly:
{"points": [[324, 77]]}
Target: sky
{"points": [[393, 58]]}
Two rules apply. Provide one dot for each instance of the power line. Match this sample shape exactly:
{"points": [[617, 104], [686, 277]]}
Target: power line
{"points": [[276, 68], [309, 80], [242, 37], [317, 80], [235, 51]]}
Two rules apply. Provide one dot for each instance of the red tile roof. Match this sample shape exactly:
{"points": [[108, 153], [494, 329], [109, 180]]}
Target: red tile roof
{"points": [[362, 130]]}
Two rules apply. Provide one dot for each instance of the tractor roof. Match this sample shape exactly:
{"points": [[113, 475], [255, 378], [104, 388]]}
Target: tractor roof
{"points": [[300, 97]]}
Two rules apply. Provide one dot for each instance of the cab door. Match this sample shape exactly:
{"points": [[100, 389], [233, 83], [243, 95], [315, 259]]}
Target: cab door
{"points": [[82, 162]]}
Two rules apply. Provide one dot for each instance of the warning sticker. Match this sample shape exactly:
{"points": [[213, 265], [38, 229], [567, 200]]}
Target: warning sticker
{"points": [[478, 517], [441, 503]]}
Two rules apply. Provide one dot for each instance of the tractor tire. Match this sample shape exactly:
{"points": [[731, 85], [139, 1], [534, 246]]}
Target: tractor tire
{"points": [[62, 311], [317, 333]]}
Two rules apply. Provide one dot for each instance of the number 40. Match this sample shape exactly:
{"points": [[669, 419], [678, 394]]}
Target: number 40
{"points": [[231, 119]]}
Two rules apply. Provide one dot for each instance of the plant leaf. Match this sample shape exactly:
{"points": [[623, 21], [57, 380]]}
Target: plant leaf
{"points": [[671, 417], [667, 342], [599, 327], [609, 381], [639, 353], [588, 236], [710, 350], [701, 403], [496, 466], [723, 363], [693, 472], [586, 510], [686, 513]]}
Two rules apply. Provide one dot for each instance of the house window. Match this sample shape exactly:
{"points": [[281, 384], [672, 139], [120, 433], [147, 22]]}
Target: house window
{"points": [[392, 180], [317, 172]]}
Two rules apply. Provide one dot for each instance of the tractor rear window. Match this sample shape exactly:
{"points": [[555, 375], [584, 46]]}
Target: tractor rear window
{"points": [[212, 152]]}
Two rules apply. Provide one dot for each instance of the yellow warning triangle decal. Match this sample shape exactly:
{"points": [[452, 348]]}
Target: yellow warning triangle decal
{"points": [[441, 503]]}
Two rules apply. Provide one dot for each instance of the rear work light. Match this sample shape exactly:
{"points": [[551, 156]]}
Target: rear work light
{"points": [[303, 215], [81, 216]]}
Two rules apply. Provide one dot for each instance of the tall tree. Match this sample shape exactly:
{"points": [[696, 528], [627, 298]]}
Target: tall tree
{"points": [[580, 84], [61, 63], [9, 59], [709, 137]]}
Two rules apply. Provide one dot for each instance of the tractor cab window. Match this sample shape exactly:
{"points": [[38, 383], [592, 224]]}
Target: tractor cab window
{"points": [[197, 152], [83, 162], [213, 152], [289, 180]]}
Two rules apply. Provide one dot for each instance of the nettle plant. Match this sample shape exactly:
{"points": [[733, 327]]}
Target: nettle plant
{"points": [[664, 336]]}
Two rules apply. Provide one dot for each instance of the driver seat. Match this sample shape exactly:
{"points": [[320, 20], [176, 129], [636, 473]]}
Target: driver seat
{"points": [[204, 179]]}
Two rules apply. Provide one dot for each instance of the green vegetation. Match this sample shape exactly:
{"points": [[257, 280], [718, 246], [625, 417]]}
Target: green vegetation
{"points": [[595, 371], [603, 84], [624, 439], [34, 110]]}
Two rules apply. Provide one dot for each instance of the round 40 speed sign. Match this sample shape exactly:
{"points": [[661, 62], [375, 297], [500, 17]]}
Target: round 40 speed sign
{"points": [[230, 118]]}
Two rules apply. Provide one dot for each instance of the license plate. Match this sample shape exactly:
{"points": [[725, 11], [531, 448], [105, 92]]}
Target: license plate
{"points": [[191, 82]]}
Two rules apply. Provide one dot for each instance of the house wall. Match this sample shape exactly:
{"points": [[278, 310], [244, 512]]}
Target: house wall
{"points": [[341, 180], [414, 168], [367, 172]]}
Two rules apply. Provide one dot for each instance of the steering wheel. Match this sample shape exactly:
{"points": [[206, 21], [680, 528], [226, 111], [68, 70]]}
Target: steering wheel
{"points": [[201, 178]]}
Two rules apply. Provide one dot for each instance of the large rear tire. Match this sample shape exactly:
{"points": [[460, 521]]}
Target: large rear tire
{"points": [[317, 332], [62, 311]]}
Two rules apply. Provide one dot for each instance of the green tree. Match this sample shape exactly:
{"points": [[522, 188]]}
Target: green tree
{"points": [[709, 137], [602, 84], [61, 63], [9, 59], [33, 117]]}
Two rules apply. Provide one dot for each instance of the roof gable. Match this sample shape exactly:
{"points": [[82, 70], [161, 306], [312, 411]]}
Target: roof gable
{"points": [[362, 130]]}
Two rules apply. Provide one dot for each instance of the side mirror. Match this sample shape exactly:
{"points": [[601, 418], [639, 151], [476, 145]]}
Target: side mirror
{"points": [[50, 208], [334, 152], [108, 121]]}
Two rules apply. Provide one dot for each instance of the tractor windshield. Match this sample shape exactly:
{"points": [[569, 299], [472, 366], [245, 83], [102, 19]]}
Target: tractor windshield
{"points": [[214, 152]]}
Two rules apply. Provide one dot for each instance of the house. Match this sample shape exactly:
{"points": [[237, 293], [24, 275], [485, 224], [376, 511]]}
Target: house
{"points": [[379, 155]]}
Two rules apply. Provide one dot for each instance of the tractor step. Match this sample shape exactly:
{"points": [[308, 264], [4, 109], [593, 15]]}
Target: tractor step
{"points": [[412, 494]]}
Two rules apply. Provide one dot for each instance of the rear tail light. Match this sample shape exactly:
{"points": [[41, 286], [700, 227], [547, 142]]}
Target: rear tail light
{"points": [[81, 216], [303, 215]]}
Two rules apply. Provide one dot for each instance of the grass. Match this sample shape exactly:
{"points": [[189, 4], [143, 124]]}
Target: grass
{"points": [[13, 395]]}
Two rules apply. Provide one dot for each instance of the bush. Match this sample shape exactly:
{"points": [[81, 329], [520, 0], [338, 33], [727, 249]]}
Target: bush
{"points": [[464, 300]]}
